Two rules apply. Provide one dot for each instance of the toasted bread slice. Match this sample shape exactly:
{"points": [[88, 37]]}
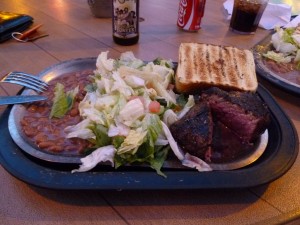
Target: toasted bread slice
{"points": [[202, 65]]}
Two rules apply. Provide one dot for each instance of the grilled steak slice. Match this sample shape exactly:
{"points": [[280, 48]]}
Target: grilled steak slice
{"points": [[226, 145], [242, 112], [222, 126], [193, 132]]}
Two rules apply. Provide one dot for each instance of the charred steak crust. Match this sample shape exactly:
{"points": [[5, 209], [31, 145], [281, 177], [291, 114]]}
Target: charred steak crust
{"points": [[193, 132]]}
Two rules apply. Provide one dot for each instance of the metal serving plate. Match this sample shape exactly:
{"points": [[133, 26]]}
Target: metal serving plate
{"points": [[287, 82], [76, 65]]}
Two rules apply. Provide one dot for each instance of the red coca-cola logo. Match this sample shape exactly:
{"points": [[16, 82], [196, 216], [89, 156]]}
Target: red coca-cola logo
{"points": [[181, 12]]}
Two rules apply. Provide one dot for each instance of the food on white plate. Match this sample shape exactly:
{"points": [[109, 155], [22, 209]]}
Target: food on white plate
{"points": [[204, 65], [285, 53]]}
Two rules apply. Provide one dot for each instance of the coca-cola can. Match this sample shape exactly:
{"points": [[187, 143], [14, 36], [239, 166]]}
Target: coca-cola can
{"points": [[190, 14]]}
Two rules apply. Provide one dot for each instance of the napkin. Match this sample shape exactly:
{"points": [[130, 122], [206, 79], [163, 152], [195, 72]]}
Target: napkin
{"points": [[294, 22], [274, 15]]}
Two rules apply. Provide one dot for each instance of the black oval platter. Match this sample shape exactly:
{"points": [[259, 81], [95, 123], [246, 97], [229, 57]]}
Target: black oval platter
{"points": [[278, 157]]}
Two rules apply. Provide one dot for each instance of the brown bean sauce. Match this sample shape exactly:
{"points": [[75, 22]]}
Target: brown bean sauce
{"points": [[287, 71], [48, 134]]}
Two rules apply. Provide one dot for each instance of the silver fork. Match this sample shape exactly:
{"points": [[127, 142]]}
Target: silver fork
{"points": [[25, 80]]}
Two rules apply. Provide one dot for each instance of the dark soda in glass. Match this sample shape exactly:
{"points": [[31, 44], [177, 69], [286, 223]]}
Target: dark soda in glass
{"points": [[246, 15]]}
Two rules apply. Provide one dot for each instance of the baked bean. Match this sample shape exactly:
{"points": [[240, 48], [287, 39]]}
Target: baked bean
{"points": [[46, 144], [40, 137], [24, 123], [56, 148], [32, 108], [43, 119], [56, 133], [70, 148], [74, 112], [40, 109], [40, 127], [30, 132], [29, 119], [34, 124]]}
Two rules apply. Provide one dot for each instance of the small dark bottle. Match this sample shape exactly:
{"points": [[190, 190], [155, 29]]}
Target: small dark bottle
{"points": [[125, 21]]}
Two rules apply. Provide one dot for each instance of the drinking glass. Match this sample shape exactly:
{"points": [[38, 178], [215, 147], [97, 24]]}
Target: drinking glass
{"points": [[246, 15]]}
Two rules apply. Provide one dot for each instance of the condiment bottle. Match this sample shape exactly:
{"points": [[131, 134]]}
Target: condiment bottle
{"points": [[125, 17]]}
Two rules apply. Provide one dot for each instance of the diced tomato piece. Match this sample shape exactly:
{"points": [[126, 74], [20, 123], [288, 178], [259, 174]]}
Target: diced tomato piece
{"points": [[154, 107]]}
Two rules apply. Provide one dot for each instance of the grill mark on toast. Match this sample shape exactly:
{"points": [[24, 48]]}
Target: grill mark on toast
{"points": [[230, 66], [196, 64], [233, 75], [222, 62], [238, 73], [243, 62], [236, 58], [215, 65], [208, 63], [188, 58], [203, 70], [200, 64], [242, 66]]}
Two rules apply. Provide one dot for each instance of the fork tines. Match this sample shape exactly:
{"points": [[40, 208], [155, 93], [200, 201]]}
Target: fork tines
{"points": [[26, 80]]}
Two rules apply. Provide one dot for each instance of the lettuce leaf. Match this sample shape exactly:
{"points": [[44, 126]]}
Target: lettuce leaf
{"points": [[102, 139], [283, 41], [146, 151], [102, 154], [131, 112], [278, 57], [128, 59], [160, 157], [81, 133], [152, 124], [163, 62], [132, 142], [80, 130], [103, 64], [62, 102], [190, 103], [287, 35]]}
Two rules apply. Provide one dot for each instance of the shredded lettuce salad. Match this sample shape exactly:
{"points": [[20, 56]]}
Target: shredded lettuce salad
{"points": [[127, 112], [287, 46]]}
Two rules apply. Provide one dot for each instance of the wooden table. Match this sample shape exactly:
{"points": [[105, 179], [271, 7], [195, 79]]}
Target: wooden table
{"points": [[74, 33]]}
